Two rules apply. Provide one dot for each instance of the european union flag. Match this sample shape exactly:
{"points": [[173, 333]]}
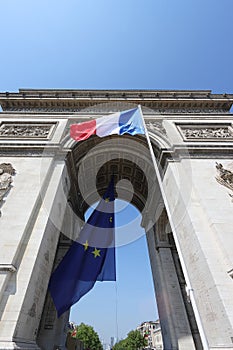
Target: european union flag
{"points": [[91, 258]]}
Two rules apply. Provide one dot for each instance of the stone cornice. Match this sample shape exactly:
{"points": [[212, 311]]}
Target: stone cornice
{"points": [[173, 101]]}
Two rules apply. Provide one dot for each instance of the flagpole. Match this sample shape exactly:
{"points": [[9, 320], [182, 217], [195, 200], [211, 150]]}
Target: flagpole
{"points": [[184, 268]]}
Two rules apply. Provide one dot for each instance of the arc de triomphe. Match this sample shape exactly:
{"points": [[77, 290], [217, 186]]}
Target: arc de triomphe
{"points": [[47, 181]]}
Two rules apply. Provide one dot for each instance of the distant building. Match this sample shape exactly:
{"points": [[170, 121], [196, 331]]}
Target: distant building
{"points": [[112, 342], [152, 332]]}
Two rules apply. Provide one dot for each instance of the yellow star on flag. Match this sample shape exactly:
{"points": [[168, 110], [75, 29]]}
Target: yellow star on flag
{"points": [[110, 219], [86, 245], [96, 252], [107, 199]]}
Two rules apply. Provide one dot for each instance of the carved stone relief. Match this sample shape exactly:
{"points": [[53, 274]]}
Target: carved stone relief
{"points": [[197, 132], [6, 172], [225, 177], [26, 130], [156, 126]]}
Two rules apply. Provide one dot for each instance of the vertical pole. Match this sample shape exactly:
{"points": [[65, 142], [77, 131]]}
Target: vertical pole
{"points": [[189, 287]]}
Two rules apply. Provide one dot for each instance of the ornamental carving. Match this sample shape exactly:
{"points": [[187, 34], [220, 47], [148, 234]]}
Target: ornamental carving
{"points": [[156, 126], [207, 132], [225, 177], [6, 172], [23, 130]]}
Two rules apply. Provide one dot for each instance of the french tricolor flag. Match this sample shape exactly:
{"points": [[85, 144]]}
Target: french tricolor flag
{"points": [[126, 122]]}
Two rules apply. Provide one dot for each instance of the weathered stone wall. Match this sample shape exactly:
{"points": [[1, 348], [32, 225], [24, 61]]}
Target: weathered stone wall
{"points": [[201, 210], [31, 222], [190, 131]]}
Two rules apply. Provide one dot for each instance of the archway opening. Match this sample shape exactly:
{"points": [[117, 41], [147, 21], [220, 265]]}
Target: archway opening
{"points": [[116, 308], [91, 165]]}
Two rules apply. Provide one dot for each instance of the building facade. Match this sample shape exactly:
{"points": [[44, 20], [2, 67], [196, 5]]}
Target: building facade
{"points": [[47, 181], [151, 331]]}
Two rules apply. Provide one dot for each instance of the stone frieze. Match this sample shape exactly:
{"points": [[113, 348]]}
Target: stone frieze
{"points": [[26, 130], [206, 132]]}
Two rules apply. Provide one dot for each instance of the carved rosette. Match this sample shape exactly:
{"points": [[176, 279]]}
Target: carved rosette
{"points": [[225, 177]]}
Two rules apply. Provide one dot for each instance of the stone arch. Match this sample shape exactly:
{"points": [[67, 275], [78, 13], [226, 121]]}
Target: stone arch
{"points": [[126, 145], [183, 118], [90, 165]]}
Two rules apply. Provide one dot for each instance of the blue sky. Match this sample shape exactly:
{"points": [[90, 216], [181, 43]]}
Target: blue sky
{"points": [[117, 44], [150, 44]]}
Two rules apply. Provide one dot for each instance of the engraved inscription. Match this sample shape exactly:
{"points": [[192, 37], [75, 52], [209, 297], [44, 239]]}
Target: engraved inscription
{"points": [[26, 130], [50, 316]]}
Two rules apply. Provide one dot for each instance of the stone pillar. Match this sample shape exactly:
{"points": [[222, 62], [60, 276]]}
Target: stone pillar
{"points": [[203, 221], [52, 331], [29, 236], [174, 322]]}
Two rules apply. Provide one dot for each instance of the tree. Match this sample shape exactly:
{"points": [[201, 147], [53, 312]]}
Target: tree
{"points": [[88, 337], [134, 341], [121, 345]]}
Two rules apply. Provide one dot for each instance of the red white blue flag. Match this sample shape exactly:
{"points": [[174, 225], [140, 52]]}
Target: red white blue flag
{"points": [[125, 122]]}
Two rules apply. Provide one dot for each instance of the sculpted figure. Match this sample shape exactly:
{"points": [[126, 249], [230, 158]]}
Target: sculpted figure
{"points": [[225, 175], [6, 172]]}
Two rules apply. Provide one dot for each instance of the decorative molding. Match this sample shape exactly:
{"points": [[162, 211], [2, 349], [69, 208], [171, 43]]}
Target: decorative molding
{"points": [[159, 101], [152, 108], [206, 132], [26, 130], [225, 177], [7, 267]]}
